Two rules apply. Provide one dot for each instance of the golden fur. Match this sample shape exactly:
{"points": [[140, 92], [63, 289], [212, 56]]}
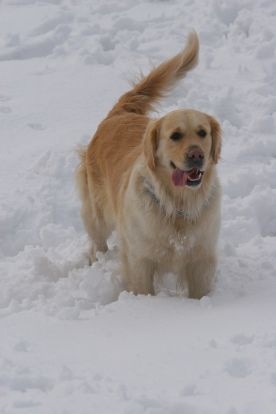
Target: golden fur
{"points": [[125, 183]]}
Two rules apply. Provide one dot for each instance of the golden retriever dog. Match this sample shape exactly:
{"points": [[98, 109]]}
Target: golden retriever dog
{"points": [[155, 182]]}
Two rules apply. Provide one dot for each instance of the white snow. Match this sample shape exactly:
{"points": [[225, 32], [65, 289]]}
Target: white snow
{"points": [[71, 340]]}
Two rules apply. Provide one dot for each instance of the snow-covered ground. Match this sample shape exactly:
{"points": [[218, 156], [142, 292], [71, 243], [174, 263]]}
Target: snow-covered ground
{"points": [[71, 341]]}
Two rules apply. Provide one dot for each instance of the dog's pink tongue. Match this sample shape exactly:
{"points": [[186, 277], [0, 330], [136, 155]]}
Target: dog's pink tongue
{"points": [[179, 177]]}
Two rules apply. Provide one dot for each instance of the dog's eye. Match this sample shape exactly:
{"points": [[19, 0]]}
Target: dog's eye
{"points": [[176, 136], [202, 133]]}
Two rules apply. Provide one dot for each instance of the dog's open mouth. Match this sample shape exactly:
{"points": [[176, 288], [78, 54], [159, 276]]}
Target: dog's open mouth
{"points": [[191, 178]]}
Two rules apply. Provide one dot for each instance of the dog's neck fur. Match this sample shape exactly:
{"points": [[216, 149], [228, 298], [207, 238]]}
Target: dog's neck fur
{"points": [[178, 203], [150, 191]]}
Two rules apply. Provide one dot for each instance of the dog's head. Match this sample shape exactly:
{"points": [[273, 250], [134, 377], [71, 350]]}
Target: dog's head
{"points": [[186, 143]]}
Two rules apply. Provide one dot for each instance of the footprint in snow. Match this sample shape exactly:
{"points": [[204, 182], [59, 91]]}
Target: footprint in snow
{"points": [[4, 98], [238, 367], [242, 339], [36, 126], [22, 346], [5, 109], [26, 403], [189, 390]]}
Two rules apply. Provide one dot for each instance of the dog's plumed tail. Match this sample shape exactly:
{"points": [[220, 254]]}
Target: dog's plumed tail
{"points": [[153, 87]]}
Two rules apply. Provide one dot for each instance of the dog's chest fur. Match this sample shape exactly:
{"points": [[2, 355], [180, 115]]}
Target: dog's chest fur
{"points": [[157, 236]]}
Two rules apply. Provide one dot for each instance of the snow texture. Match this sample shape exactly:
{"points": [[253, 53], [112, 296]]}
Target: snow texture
{"points": [[71, 340]]}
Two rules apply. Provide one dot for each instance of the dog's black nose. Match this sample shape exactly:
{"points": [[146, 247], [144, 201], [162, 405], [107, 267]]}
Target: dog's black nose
{"points": [[195, 157]]}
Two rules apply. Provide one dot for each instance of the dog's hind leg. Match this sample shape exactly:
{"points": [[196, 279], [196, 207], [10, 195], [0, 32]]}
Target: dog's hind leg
{"points": [[92, 216], [96, 228]]}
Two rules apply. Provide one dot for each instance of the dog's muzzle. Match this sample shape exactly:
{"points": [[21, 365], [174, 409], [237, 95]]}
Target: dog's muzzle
{"points": [[191, 178]]}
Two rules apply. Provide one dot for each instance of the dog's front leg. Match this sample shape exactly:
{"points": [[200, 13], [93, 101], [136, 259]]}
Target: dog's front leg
{"points": [[138, 274], [201, 276]]}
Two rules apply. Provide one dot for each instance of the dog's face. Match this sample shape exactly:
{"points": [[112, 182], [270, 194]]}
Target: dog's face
{"points": [[185, 143]]}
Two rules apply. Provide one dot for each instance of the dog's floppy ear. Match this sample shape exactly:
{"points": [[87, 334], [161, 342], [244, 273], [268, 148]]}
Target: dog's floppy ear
{"points": [[150, 143], [216, 139]]}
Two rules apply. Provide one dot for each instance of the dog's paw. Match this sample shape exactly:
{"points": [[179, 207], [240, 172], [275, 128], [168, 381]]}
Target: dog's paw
{"points": [[89, 257]]}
